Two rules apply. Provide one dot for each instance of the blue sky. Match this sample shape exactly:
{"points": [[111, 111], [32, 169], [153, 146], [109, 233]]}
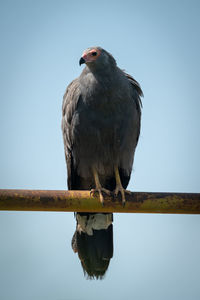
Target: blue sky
{"points": [[158, 43]]}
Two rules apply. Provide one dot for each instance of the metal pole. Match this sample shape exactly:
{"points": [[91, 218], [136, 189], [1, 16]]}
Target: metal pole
{"points": [[82, 201]]}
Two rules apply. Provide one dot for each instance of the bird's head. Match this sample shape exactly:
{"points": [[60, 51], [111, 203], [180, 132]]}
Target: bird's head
{"points": [[90, 55], [96, 57]]}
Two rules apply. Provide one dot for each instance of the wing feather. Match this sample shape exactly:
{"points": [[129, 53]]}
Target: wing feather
{"points": [[70, 104], [138, 89], [137, 99], [139, 93]]}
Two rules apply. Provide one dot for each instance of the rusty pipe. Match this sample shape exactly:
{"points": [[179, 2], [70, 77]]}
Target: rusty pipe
{"points": [[82, 201]]}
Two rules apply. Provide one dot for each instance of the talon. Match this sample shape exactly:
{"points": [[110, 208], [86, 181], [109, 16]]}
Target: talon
{"points": [[107, 192], [92, 192], [123, 192], [101, 198], [119, 187], [100, 190]]}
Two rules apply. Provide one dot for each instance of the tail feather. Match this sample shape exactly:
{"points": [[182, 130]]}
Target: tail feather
{"points": [[95, 244]]}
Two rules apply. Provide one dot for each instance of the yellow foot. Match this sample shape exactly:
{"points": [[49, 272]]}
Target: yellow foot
{"points": [[120, 189], [100, 190]]}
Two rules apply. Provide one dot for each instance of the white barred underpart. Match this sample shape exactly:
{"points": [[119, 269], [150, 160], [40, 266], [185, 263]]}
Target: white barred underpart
{"points": [[94, 222]]}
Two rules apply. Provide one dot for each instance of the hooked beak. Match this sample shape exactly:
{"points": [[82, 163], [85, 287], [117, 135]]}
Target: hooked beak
{"points": [[81, 61]]}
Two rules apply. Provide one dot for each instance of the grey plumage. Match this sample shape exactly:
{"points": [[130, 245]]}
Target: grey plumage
{"points": [[100, 123]]}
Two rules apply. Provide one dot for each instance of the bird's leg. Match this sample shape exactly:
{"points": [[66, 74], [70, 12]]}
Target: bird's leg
{"points": [[98, 188], [119, 187]]}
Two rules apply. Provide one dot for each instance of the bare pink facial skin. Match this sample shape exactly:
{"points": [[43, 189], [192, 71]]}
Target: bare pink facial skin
{"points": [[91, 55]]}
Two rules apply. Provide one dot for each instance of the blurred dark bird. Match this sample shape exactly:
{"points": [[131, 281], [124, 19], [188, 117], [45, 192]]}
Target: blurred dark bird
{"points": [[101, 125]]}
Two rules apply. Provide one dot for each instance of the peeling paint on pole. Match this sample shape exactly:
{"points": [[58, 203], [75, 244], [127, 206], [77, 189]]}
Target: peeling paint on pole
{"points": [[82, 201]]}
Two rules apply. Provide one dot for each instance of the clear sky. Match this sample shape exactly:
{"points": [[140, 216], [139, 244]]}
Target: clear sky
{"points": [[158, 43]]}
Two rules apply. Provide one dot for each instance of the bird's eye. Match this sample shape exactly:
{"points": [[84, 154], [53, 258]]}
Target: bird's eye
{"points": [[94, 53]]}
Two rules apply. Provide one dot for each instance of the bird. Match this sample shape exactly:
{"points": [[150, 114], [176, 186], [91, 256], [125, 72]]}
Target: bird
{"points": [[101, 120]]}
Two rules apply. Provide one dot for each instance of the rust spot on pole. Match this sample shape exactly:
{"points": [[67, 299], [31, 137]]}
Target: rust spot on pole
{"points": [[81, 201]]}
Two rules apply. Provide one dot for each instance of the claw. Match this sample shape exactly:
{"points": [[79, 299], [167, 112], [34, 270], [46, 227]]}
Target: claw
{"points": [[120, 189], [100, 190]]}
